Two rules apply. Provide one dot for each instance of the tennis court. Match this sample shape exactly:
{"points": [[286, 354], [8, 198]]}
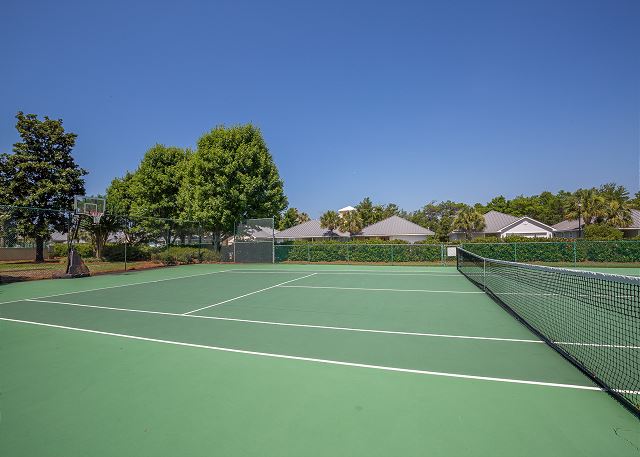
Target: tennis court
{"points": [[289, 360]]}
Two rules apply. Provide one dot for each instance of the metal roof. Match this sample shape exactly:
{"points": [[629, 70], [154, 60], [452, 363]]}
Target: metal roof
{"points": [[309, 229], [495, 220], [395, 225], [346, 208]]}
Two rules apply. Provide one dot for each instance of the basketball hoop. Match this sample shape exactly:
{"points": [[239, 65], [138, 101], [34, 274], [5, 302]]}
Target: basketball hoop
{"points": [[94, 207], [96, 215]]}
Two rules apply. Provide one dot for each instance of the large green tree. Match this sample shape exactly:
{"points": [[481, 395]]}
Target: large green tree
{"points": [[231, 176], [41, 173], [154, 189]]}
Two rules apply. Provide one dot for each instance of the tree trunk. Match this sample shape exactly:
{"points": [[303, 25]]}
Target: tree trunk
{"points": [[39, 249]]}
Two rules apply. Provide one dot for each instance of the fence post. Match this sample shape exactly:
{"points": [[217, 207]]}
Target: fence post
{"points": [[348, 248], [515, 252], [308, 253], [200, 242], [392, 246], [575, 253]]}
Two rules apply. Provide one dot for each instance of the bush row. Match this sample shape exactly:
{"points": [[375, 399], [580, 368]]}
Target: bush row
{"points": [[578, 251], [176, 255], [115, 252], [358, 252]]}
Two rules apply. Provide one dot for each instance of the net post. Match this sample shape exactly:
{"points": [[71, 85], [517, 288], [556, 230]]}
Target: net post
{"points": [[484, 274], [273, 240]]}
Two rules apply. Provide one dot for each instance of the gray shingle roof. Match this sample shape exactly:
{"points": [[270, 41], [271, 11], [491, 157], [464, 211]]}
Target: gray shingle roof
{"points": [[635, 216], [309, 229], [495, 220], [395, 225], [567, 226]]}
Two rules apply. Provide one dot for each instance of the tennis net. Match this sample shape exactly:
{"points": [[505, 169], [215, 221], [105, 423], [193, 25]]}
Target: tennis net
{"points": [[592, 319]]}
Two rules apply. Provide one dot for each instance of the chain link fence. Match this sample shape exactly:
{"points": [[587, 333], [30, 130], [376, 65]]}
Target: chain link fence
{"points": [[34, 243], [582, 252]]}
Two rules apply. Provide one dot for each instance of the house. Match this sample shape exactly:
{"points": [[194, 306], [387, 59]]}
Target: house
{"points": [[393, 228], [571, 228], [502, 225], [396, 228], [310, 231]]}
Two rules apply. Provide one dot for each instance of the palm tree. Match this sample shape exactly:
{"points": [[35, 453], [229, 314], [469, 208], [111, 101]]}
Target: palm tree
{"points": [[468, 220], [617, 214], [351, 222], [330, 220], [588, 204]]}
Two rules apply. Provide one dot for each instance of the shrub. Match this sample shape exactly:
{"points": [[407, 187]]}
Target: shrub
{"points": [[176, 255], [601, 232], [115, 252], [61, 250]]}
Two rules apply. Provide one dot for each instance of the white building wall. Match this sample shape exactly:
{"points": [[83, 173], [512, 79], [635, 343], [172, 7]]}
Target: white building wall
{"points": [[526, 228]]}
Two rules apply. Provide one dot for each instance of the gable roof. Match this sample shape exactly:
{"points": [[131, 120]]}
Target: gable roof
{"points": [[495, 220], [572, 225], [394, 225], [568, 226], [309, 229], [531, 221]]}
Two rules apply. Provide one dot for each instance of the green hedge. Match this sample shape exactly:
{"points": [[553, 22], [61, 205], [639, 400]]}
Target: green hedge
{"points": [[176, 255], [358, 252], [112, 252], [578, 251]]}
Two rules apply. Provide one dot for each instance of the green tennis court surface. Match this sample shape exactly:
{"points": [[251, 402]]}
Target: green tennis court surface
{"points": [[288, 360]]}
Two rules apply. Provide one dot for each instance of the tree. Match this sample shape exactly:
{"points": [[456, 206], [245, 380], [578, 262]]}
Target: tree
{"points": [[291, 218], [154, 189], [588, 204], [635, 201], [617, 214], [469, 221], [330, 220], [613, 192], [499, 203], [367, 211], [602, 232], [41, 173], [231, 176], [437, 217], [351, 223]]}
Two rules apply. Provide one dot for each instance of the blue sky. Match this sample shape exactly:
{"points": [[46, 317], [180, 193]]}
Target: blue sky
{"points": [[405, 102]]}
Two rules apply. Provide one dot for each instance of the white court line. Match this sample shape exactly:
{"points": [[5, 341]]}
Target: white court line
{"points": [[286, 324], [115, 287], [246, 295], [388, 290], [310, 359], [354, 272]]}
